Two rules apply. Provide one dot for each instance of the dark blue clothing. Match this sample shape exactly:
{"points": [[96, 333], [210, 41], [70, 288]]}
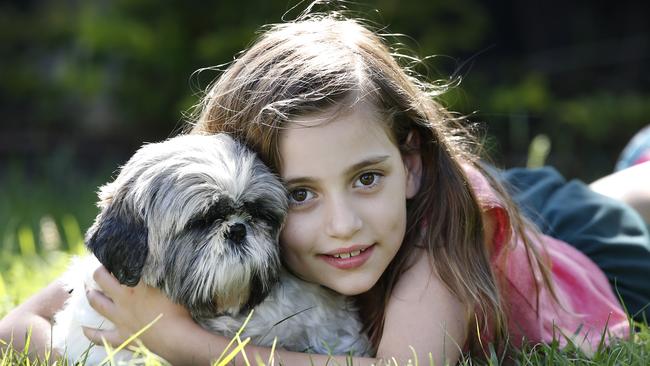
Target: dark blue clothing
{"points": [[609, 232]]}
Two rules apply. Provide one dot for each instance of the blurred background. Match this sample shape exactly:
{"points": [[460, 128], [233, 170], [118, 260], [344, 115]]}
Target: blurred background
{"points": [[84, 83]]}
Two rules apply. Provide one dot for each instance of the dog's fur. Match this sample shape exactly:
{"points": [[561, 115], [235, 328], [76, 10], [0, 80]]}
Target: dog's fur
{"points": [[199, 218]]}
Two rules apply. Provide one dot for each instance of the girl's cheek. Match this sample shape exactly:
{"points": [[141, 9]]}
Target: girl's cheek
{"points": [[290, 234], [298, 236]]}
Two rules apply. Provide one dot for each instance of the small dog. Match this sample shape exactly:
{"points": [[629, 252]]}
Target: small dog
{"points": [[199, 218]]}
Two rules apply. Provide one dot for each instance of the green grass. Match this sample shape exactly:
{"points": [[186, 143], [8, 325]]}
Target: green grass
{"points": [[635, 352], [24, 272], [46, 205]]}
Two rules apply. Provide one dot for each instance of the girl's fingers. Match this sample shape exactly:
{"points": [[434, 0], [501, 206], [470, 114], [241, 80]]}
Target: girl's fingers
{"points": [[101, 303], [98, 336], [109, 284]]}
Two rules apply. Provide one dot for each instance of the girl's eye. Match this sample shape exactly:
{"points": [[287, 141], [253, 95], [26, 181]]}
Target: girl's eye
{"points": [[300, 196], [366, 180]]}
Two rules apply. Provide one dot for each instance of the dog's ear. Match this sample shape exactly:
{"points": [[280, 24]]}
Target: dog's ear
{"points": [[118, 238]]}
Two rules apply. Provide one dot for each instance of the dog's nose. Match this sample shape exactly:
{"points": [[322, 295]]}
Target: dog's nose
{"points": [[237, 232]]}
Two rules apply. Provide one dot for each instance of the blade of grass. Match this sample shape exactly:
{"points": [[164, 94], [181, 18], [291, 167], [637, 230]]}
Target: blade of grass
{"points": [[415, 356], [243, 352], [3, 288], [232, 340], [73, 234], [234, 353], [272, 355], [129, 340], [28, 340], [26, 241]]}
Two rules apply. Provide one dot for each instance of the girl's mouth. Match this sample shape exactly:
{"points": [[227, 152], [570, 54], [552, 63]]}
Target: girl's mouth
{"points": [[348, 258]]}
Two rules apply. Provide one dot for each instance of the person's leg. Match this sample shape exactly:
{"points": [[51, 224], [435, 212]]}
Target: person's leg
{"points": [[630, 181], [636, 151], [630, 185], [608, 231]]}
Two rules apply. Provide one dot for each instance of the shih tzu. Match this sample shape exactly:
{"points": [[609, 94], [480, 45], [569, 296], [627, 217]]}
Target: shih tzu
{"points": [[199, 218]]}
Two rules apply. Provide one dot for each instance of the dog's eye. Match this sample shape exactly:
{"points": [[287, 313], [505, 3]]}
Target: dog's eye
{"points": [[216, 213], [198, 223], [261, 212]]}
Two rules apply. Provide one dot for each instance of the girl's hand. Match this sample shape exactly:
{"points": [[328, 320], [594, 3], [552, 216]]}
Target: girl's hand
{"points": [[35, 314], [175, 336], [131, 309]]}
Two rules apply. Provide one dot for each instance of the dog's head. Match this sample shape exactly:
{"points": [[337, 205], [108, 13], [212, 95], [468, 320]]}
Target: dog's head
{"points": [[196, 216]]}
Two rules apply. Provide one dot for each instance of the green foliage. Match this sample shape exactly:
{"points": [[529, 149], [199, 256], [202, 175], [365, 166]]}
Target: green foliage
{"points": [[531, 95], [40, 208], [120, 72], [587, 130], [22, 276], [42, 217], [601, 116]]}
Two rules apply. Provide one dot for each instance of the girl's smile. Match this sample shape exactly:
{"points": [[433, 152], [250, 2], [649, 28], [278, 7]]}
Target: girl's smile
{"points": [[348, 186], [348, 258]]}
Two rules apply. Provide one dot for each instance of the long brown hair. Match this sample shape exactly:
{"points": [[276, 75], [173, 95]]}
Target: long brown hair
{"points": [[321, 61]]}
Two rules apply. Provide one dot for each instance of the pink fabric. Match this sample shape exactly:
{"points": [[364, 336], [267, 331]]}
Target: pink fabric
{"points": [[587, 304]]}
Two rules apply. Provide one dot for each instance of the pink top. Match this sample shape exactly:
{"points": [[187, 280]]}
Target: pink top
{"points": [[587, 304]]}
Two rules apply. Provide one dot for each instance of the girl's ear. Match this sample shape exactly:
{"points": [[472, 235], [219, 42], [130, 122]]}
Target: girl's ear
{"points": [[413, 164]]}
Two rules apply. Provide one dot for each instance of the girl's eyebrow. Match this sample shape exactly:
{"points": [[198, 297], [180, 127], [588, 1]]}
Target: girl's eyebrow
{"points": [[349, 171]]}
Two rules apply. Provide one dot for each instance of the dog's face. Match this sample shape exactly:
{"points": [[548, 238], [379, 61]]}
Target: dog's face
{"points": [[197, 217]]}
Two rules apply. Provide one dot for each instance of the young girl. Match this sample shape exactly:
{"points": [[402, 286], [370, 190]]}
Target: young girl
{"points": [[388, 204]]}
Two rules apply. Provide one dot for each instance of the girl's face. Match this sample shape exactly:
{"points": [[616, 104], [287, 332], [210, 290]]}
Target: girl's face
{"points": [[348, 185]]}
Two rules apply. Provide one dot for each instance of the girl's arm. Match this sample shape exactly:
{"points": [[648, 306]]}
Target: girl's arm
{"points": [[36, 314], [175, 336], [421, 313]]}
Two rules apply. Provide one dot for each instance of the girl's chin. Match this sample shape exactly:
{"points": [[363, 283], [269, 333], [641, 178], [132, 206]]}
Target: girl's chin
{"points": [[351, 289]]}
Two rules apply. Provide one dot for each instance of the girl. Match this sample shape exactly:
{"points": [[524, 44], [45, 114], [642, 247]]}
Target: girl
{"points": [[388, 204]]}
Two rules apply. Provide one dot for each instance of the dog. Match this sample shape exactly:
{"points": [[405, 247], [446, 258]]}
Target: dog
{"points": [[199, 218]]}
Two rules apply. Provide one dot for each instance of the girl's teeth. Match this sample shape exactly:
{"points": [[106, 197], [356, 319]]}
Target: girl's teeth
{"points": [[348, 255]]}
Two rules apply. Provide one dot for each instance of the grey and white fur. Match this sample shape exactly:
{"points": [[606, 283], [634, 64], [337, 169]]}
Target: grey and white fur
{"points": [[199, 218]]}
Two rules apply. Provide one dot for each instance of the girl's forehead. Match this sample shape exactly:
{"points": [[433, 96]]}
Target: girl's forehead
{"points": [[345, 119], [361, 120], [322, 141]]}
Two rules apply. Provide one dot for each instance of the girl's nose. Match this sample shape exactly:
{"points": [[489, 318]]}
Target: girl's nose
{"points": [[343, 220]]}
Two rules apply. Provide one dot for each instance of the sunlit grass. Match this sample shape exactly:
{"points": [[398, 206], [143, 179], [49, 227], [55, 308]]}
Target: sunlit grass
{"points": [[24, 272], [635, 352]]}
